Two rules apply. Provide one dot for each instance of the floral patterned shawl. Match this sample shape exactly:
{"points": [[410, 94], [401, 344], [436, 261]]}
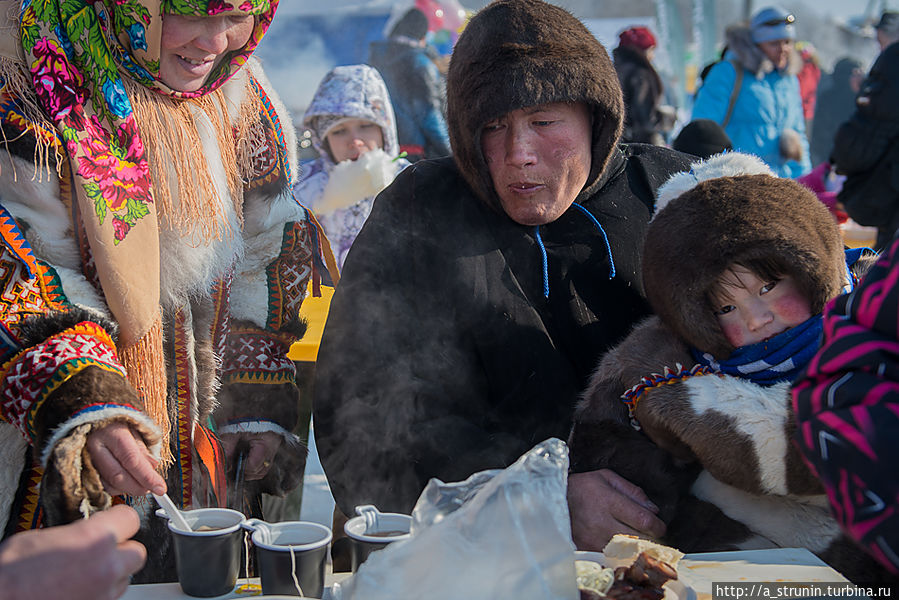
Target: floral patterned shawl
{"points": [[77, 52]]}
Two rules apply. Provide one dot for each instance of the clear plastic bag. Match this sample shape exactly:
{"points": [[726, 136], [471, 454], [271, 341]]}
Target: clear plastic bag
{"points": [[498, 534]]}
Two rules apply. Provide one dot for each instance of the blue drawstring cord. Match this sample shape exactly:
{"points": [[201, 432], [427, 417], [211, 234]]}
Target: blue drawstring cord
{"points": [[543, 256], [605, 238], [545, 265]]}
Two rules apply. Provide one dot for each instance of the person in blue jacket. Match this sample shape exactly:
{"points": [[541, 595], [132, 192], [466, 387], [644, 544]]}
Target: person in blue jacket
{"points": [[754, 93], [415, 87]]}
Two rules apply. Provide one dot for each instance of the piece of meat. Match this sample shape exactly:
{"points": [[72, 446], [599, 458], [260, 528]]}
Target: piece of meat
{"points": [[625, 590], [647, 571]]}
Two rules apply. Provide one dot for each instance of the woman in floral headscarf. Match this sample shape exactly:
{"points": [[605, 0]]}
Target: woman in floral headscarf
{"points": [[154, 260]]}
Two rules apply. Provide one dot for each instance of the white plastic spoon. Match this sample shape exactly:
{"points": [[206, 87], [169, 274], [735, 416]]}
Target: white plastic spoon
{"points": [[172, 511]]}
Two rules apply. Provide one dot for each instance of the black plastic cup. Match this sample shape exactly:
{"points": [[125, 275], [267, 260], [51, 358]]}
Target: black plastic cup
{"points": [[291, 554], [207, 558], [374, 531]]}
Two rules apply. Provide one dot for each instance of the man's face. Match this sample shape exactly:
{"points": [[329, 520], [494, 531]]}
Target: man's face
{"points": [[539, 159]]}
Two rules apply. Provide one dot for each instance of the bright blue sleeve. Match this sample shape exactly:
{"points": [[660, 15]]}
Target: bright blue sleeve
{"points": [[713, 97]]}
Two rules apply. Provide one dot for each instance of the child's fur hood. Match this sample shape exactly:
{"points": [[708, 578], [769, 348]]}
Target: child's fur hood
{"points": [[730, 209], [519, 53], [740, 45]]}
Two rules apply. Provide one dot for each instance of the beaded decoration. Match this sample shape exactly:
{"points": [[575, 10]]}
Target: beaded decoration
{"points": [[668, 376]]}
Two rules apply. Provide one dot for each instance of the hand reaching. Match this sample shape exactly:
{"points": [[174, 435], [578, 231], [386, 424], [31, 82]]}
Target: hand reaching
{"points": [[91, 559], [602, 503], [123, 461], [263, 448]]}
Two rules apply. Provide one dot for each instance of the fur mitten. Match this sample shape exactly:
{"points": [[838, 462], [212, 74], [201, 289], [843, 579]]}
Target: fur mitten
{"points": [[71, 487], [790, 145], [354, 180]]}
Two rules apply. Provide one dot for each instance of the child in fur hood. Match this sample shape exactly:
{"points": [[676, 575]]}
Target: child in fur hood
{"points": [[354, 130], [694, 405]]}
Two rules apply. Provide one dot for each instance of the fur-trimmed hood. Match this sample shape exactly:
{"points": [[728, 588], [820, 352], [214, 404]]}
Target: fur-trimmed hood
{"points": [[351, 92], [731, 209], [519, 53], [742, 49]]}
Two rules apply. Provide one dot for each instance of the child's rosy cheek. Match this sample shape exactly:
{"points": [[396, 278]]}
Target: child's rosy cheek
{"points": [[793, 309], [734, 333]]}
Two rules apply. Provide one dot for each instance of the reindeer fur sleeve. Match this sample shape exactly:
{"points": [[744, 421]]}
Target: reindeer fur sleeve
{"points": [[737, 430]]}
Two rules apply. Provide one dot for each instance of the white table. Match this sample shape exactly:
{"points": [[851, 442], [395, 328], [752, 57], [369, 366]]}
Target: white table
{"points": [[246, 588], [781, 565], [697, 571]]}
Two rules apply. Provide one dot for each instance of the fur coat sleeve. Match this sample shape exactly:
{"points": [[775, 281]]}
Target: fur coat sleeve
{"points": [[734, 429]]}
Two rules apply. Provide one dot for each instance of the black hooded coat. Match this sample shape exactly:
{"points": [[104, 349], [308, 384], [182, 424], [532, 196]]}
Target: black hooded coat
{"points": [[866, 150], [442, 356]]}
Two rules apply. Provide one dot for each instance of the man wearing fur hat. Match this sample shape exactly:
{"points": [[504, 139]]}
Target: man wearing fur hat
{"points": [[694, 406], [483, 287], [754, 92]]}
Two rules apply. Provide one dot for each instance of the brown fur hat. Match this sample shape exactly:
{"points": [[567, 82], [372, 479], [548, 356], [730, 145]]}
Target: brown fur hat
{"points": [[727, 210], [519, 53]]}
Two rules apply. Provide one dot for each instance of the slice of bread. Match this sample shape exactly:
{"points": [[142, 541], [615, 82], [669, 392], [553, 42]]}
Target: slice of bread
{"points": [[628, 547]]}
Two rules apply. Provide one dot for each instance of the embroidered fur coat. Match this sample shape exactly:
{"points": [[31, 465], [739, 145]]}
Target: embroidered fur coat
{"points": [[229, 314]]}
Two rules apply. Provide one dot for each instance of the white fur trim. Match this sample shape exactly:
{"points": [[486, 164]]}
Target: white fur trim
{"points": [[81, 292], [12, 459], [95, 416], [35, 201], [264, 219], [788, 521], [261, 427], [726, 164], [189, 264], [760, 413]]}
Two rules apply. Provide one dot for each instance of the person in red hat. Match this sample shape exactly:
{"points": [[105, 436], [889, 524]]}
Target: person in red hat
{"points": [[641, 86]]}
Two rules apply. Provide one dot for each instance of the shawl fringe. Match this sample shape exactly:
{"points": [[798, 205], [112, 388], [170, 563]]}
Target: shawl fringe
{"points": [[16, 85], [144, 362], [183, 189]]}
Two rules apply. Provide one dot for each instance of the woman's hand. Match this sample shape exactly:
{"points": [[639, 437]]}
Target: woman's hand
{"points": [[123, 461], [263, 448]]}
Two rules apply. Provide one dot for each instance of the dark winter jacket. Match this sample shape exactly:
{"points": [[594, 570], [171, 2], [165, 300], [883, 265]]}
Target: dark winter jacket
{"points": [[834, 106], [866, 149], [642, 90], [442, 356], [416, 93]]}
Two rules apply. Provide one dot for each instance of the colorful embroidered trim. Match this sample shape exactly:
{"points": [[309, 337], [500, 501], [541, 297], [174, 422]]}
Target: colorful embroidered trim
{"points": [[15, 242], [288, 275], [33, 374], [271, 161], [31, 513], [182, 429], [11, 114], [668, 376], [255, 356]]}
